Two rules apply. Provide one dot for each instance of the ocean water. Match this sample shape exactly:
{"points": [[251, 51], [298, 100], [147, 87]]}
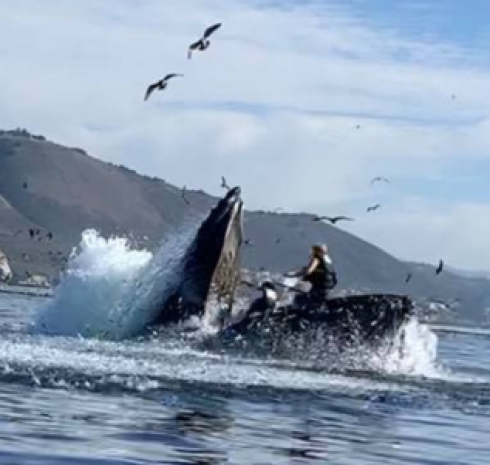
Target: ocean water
{"points": [[77, 388]]}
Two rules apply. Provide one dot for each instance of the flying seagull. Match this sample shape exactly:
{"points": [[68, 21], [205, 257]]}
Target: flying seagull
{"points": [[440, 267], [161, 84], [333, 219], [203, 43], [224, 184], [379, 179], [374, 207]]}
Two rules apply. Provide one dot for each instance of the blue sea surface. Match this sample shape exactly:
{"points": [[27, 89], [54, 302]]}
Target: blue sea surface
{"points": [[70, 400]]}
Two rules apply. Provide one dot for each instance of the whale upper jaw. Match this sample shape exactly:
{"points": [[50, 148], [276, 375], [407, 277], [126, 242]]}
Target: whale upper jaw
{"points": [[211, 265]]}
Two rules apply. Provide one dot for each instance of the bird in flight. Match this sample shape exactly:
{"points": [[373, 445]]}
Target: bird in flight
{"points": [[408, 277], [161, 84], [224, 184], [332, 219], [440, 267], [373, 208], [203, 43], [379, 179]]}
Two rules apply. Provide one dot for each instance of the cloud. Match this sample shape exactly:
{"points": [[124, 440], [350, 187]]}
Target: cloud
{"points": [[301, 105]]}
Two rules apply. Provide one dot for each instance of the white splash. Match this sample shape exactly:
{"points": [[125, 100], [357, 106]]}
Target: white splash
{"points": [[413, 352], [108, 289]]}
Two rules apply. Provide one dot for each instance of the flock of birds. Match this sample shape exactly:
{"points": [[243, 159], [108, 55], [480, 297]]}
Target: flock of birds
{"points": [[202, 44], [334, 219]]}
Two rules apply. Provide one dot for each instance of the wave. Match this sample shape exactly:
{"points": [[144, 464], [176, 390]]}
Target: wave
{"points": [[109, 289], [152, 368]]}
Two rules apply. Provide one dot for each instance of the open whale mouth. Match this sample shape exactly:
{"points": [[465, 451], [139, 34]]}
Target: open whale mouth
{"points": [[211, 266]]}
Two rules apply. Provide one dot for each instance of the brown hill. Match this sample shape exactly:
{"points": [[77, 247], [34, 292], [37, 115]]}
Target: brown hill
{"points": [[63, 191]]}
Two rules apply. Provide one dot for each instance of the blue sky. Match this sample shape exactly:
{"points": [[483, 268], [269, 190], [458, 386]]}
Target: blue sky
{"points": [[461, 22], [275, 103]]}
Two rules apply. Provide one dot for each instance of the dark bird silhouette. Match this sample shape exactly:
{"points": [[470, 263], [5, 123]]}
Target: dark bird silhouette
{"points": [[32, 232], [379, 179], [278, 241], [408, 277], [25, 185], [224, 184], [184, 196], [440, 267], [49, 236], [160, 85], [374, 207], [332, 219], [203, 43]]}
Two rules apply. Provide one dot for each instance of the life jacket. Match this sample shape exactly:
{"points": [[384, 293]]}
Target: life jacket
{"points": [[324, 278]]}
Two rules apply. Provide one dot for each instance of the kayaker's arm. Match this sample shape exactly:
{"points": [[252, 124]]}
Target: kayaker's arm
{"points": [[312, 266], [305, 271]]}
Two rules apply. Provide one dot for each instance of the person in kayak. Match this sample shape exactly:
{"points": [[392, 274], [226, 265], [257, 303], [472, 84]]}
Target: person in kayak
{"points": [[320, 273]]}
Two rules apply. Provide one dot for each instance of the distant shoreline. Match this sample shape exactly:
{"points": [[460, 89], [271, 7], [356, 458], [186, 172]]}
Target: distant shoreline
{"points": [[33, 291], [27, 290]]}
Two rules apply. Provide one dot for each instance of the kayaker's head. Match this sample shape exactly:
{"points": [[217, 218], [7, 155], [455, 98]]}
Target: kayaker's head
{"points": [[318, 250]]}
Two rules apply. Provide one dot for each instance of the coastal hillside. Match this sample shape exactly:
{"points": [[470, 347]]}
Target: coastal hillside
{"points": [[58, 191]]}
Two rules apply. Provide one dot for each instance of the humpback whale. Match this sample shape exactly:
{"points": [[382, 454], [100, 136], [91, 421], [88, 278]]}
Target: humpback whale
{"points": [[210, 276], [351, 320], [210, 269]]}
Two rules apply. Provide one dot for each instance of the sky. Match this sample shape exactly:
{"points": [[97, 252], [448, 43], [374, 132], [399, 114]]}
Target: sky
{"points": [[299, 103]]}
